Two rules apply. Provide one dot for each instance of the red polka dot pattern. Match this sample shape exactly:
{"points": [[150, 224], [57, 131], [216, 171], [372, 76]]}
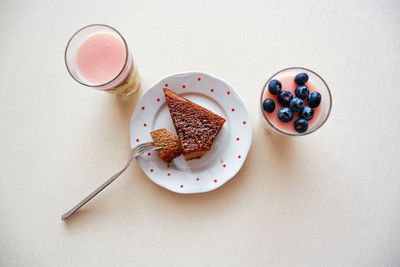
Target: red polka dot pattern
{"points": [[166, 169]]}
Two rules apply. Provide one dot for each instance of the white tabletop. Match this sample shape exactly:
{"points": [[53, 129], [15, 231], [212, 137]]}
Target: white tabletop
{"points": [[327, 199]]}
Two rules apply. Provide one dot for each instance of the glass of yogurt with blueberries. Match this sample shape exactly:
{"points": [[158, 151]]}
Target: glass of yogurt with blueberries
{"points": [[295, 101]]}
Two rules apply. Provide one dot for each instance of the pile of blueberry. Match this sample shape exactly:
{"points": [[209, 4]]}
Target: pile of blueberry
{"points": [[297, 104]]}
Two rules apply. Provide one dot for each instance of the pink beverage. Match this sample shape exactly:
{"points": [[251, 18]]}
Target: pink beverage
{"points": [[315, 83], [98, 56], [288, 84]]}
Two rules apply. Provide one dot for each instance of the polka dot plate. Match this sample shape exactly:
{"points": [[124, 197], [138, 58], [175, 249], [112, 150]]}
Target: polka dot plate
{"points": [[229, 150]]}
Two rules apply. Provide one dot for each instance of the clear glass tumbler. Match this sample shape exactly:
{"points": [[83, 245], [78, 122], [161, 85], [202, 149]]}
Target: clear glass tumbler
{"points": [[125, 82], [321, 115]]}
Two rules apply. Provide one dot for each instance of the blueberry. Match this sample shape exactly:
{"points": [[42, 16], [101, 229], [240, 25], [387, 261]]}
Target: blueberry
{"points": [[301, 125], [307, 113], [284, 97], [285, 114], [314, 99], [302, 91], [274, 87], [296, 104], [301, 78], [268, 105]]}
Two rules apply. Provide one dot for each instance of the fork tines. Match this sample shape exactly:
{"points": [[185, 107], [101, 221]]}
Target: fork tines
{"points": [[147, 146]]}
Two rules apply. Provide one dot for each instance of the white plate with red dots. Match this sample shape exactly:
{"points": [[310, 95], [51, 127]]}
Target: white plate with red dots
{"points": [[229, 150]]}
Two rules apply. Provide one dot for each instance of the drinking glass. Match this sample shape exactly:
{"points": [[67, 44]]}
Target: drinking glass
{"points": [[125, 82], [325, 106]]}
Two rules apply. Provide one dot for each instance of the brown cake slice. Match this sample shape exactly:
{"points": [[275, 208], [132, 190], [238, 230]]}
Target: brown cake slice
{"points": [[170, 143], [196, 126]]}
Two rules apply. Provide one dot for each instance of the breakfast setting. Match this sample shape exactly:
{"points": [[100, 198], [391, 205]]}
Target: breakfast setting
{"points": [[100, 61], [199, 134]]}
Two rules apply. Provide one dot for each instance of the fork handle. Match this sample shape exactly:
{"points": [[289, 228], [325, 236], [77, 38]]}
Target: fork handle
{"points": [[93, 194]]}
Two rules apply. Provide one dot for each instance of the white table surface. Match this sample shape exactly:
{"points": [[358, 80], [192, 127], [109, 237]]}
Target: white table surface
{"points": [[327, 199]]}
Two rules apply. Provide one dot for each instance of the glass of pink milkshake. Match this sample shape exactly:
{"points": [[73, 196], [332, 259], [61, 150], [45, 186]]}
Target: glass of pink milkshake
{"points": [[307, 112], [98, 56]]}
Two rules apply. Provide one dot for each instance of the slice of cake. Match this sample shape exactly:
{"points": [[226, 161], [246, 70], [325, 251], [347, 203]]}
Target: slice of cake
{"points": [[170, 143], [196, 126]]}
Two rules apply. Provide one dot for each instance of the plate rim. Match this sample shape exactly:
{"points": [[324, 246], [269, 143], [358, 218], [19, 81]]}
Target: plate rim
{"points": [[240, 99]]}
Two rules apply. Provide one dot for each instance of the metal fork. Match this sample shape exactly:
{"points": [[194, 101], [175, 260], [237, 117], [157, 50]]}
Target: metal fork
{"points": [[136, 151]]}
